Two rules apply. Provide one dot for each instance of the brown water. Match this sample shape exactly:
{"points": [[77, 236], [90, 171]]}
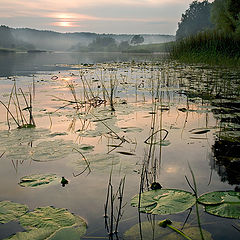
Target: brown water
{"points": [[182, 99]]}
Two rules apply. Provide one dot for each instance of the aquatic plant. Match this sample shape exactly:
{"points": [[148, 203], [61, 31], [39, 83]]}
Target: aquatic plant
{"points": [[164, 201], [51, 223], [210, 47], [10, 211], [36, 180], [152, 230], [222, 203], [19, 117], [112, 219]]}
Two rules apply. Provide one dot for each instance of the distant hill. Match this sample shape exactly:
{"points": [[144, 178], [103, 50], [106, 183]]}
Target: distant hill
{"points": [[30, 39]]}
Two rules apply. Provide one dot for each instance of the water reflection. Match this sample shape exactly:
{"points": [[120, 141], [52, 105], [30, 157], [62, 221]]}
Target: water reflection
{"points": [[149, 101], [30, 63]]}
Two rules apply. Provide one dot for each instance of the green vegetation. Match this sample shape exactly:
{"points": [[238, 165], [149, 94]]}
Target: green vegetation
{"points": [[195, 19], [223, 204], [210, 47], [137, 39], [164, 201], [7, 50], [213, 43], [10, 211], [150, 48], [151, 230], [49, 223], [37, 180], [103, 44]]}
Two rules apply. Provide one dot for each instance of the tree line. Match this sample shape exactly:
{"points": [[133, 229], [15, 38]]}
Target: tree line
{"points": [[222, 16]]}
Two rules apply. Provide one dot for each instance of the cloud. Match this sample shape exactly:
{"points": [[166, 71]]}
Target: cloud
{"points": [[126, 15]]}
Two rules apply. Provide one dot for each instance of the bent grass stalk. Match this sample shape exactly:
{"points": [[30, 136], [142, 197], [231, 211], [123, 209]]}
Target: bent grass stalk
{"points": [[87, 163], [194, 188]]}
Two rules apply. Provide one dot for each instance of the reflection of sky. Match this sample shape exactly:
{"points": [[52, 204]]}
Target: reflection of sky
{"points": [[85, 195], [101, 16]]}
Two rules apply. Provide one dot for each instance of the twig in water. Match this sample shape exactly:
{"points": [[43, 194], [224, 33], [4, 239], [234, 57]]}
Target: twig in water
{"points": [[2, 154]]}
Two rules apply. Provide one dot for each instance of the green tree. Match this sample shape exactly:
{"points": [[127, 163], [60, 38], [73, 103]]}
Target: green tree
{"points": [[6, 38], [225, 15], [137, 39], [123, 45], [195, 19], [103, 43]]}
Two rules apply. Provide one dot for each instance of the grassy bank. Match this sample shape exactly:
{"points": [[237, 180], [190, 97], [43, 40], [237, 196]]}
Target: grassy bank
{"points": [[208, 47], [150, 48], [7, 50]]}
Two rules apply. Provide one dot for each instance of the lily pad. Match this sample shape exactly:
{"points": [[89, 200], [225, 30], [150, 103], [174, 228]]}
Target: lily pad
{"points": [[37, 180], [10, 211], [222, 203], [51, 223], [164, 201], [99, 161], [131, 129], [52, 150], [151, 230], [201, 131], [16, 143], [86, 147]]}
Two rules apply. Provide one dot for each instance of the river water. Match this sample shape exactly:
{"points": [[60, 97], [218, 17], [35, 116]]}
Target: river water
{"points": [[80, 135]]}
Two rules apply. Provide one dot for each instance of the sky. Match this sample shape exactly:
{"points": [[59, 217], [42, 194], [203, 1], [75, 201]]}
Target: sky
{"points": [[99, 16]]}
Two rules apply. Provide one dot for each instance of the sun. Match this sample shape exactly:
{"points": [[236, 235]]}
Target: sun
{"points": [[65, 24]]}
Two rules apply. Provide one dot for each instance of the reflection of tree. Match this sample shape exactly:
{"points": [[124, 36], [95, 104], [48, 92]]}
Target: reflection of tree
{"points": [[227, 160]]}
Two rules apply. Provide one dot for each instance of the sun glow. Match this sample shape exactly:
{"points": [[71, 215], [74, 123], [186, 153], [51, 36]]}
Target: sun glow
{"points": [[65, 24]]}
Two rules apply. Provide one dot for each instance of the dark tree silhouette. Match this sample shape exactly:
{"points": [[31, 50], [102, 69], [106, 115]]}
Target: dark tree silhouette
{"points": [[137, 39], [103, 43], [123, 45], [6, 38], [195, 19]]}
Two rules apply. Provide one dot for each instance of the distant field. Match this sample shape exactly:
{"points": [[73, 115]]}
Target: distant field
{"points": [[150, 48], [7, 50]]}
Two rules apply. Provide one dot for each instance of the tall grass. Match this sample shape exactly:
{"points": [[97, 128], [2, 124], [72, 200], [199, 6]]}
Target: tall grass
{"points": [[210, 47]]}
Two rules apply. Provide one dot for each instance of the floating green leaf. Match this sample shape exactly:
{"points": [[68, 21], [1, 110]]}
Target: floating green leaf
{"points": [[16, 142], [53, 150], [37, 180], [222, 203], [10, 211], [51, 223], [164, 201], [126, 153], [99, 161], [201, 131], [86, 147], [151, 230], [131, 129]]}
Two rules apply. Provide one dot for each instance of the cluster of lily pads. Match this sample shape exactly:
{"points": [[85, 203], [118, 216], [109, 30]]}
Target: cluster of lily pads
{"points": [[43, 223], [170, 201]]}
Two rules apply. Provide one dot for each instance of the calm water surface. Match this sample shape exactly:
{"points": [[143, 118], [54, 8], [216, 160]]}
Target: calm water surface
{"points": [[149, 94]]}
